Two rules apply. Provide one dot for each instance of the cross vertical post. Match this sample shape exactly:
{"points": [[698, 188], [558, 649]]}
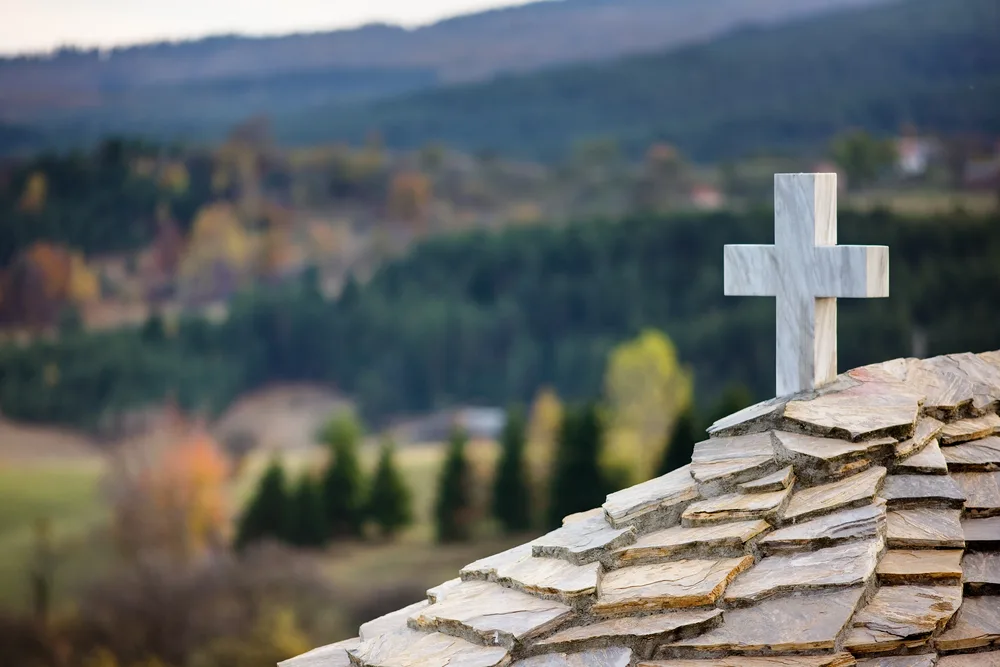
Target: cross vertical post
{"points": [[807, 272]]}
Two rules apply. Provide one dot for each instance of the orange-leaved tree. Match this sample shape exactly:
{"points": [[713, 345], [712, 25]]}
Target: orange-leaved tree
{"points": [[170, 494]]}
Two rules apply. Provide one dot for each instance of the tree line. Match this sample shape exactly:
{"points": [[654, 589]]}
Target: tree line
{"points": [[340, 502], [489, 318]]}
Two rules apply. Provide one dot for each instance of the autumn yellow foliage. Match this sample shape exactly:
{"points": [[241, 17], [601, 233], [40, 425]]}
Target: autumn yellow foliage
{"points": [[409, 196], [543, 425], [646, 388], [84, 286], [217, 236], [170, 496], [35, 193]]}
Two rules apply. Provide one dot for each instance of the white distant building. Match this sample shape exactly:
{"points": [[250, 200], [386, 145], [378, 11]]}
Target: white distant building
{"points": [[707, 197], [913, 155]]}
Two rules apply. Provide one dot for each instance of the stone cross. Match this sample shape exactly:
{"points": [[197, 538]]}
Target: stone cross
{"points": [[807, 271]]}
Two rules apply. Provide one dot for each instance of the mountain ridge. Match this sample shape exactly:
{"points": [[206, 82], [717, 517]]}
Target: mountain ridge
{"points": [[86, 88], [793, 86]]}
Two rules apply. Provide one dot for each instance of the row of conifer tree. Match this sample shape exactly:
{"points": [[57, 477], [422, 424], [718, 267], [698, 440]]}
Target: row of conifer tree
{"points": [[341, 503]]}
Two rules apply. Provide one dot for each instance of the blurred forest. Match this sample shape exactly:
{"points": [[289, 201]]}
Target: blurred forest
{"points": [[308, 332], [488, 317]]}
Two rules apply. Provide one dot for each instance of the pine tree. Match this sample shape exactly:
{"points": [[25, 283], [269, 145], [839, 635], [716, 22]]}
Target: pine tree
{"points": [[343, 482], [453, 512], [269, 513], [578, 484], [308, 522], [511, 503], [680, 447], [390, 502]]}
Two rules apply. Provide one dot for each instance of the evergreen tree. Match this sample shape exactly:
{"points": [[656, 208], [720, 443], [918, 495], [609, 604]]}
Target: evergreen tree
{"points": [[308, 523], [453, 511], [269, 513], [511, 501], [680, 447], [343, 482], [390, 501], [578, 484]]}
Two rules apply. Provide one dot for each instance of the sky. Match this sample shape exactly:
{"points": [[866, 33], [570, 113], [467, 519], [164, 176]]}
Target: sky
{"points": [[31, 26]]}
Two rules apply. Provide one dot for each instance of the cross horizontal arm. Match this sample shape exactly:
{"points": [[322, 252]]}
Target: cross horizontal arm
{"points": [[749, 270], [852, 271]]}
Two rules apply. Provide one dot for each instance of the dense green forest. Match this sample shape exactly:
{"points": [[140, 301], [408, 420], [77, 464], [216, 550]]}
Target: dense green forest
{"points": [[491, 317], [928, 62], [94, 201]]}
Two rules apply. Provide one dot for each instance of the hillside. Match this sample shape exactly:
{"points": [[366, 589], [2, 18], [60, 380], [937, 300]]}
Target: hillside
{"points": [[194, 88], [930, 62]]}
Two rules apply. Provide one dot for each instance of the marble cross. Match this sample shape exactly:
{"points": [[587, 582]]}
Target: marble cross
{"points": [[807, 271]]}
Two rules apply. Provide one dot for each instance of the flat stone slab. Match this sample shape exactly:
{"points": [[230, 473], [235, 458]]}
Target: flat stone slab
{"points": [[977, 455], [927, 429], [964, 430], [671, 491], [733, 459], [851, 564], [333, 655], [551, 577], [672, 585], [982, 492], [724, 539], [800, 622], [928, 461], [776, 481], [642, 633], [603, 657], [409, 648], [441, 591], [924, 660], [924, 529], [834, 660], [981, 572], [976, 625], [990, 659], [921, 566], [583, 541], [736, 507], [863, 412], [983, 376], [752, 419], [580, 516], [391, 622], [848, 492], [489, 613], [902, 617], [811, 450], [946, 391], [868, 521], [904, 491], [486, 568], [982, 533]]}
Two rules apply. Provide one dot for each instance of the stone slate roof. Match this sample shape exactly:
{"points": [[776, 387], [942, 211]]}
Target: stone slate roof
{"points": [[855, 525]]}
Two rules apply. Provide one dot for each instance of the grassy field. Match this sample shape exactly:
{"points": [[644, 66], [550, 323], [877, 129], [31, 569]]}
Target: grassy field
{"points": [[923, 202], [68, 494]]}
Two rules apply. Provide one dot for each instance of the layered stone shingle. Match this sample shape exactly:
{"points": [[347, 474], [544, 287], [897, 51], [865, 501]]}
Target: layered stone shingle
{"points": [[858, 524]]}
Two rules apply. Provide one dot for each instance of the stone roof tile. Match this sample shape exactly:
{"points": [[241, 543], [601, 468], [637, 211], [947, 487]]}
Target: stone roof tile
{"points": [[774, 548]]}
